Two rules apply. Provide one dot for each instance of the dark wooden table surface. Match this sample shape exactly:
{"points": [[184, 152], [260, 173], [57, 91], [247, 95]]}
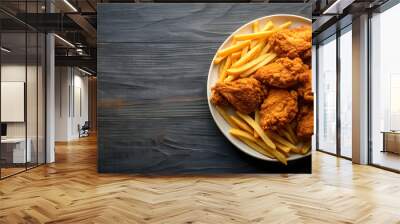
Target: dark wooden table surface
{"points": [[153, 62]]}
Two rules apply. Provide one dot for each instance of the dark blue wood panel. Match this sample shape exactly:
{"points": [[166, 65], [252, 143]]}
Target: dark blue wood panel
{"points": [[153, 115], [183, 22]]}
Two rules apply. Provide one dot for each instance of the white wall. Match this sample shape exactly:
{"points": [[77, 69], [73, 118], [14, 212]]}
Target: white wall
{"points": [[71, 94]]}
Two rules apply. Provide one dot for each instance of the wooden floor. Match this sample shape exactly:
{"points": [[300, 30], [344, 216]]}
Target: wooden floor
{"points": [[386, 159], [71, 191]]}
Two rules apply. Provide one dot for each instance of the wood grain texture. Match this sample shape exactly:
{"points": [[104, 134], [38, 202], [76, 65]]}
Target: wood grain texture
{"points": [[153, 115], [183, 22], [71, 191]]}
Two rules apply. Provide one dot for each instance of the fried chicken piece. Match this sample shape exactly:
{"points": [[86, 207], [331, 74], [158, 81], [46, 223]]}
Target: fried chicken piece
{"points": [[305, 121], [292, 42], [306, 55], [278, 109], [218, 99], [245, 95], [282, 73], [305, 86]]}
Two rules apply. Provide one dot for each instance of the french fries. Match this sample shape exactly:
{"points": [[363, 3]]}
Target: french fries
{"points": [[257, 120], [263, 62], [262, 34], [226, 116], [218, 60], [249, 55], [244, 51], [242, 134], [227, 65], [256, 147], [281, 140], [241, 124], [256, 26], [234, 48], [269, 25], [306, 148], [258, 129], [245, 55], [261, 147], [252, 36], [237, 71], [286, 135], [289, 129]]}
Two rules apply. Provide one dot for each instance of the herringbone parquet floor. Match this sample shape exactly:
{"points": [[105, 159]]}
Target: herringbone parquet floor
{"points": [[71, 191]]}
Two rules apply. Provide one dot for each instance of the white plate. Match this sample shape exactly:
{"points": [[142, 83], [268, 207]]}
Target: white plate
{"points": [[213, 78]]}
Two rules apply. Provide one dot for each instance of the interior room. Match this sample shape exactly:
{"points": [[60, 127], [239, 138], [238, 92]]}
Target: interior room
{"points": [[106, 114]]}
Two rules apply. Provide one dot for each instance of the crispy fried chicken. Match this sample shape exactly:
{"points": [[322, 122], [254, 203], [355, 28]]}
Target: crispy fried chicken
{"points": [[218, 99], [305, 119], [278, 109], [282, 73], [292, 42], [245, 95], [305, 86]]}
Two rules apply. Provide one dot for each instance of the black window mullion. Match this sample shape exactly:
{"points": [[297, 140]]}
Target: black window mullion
{"points": [[26, 87], [338, 73], [369, 90], [316, 97], [37, 90]]}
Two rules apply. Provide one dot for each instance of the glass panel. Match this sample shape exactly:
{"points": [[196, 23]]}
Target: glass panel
{"points": [[41, 99], [346, 94], [31, 100], [13, 87], [385, 89], [327, 96]]}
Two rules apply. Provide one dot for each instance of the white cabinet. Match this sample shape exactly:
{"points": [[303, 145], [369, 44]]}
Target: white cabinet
{"points": [[19, 155]]}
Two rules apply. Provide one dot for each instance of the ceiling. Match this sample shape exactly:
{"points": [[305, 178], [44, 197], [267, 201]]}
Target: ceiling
{"points": [[332, 15]]}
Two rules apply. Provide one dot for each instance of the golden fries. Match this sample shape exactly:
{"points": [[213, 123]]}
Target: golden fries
{"points": [[306, 148], [302, 148], [259, 145], [256, 147], [256, 26], [289, 129], [244, 51], [269, 25], [286, 134], [282, 147], [252, 36], [237, 71], [250, 55], [285, 25], [226, 117], [234, 48], [246, 54], [257, 120], [229, 78], [241, 124], [242, 134], [227, 65], [279, 139], [258, 129], [218, 60], [258, 64]]}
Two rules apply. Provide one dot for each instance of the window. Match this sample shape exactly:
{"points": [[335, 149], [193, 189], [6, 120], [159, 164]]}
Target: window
{"points": [[327, 95], [385, 89], [346, 92]]}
